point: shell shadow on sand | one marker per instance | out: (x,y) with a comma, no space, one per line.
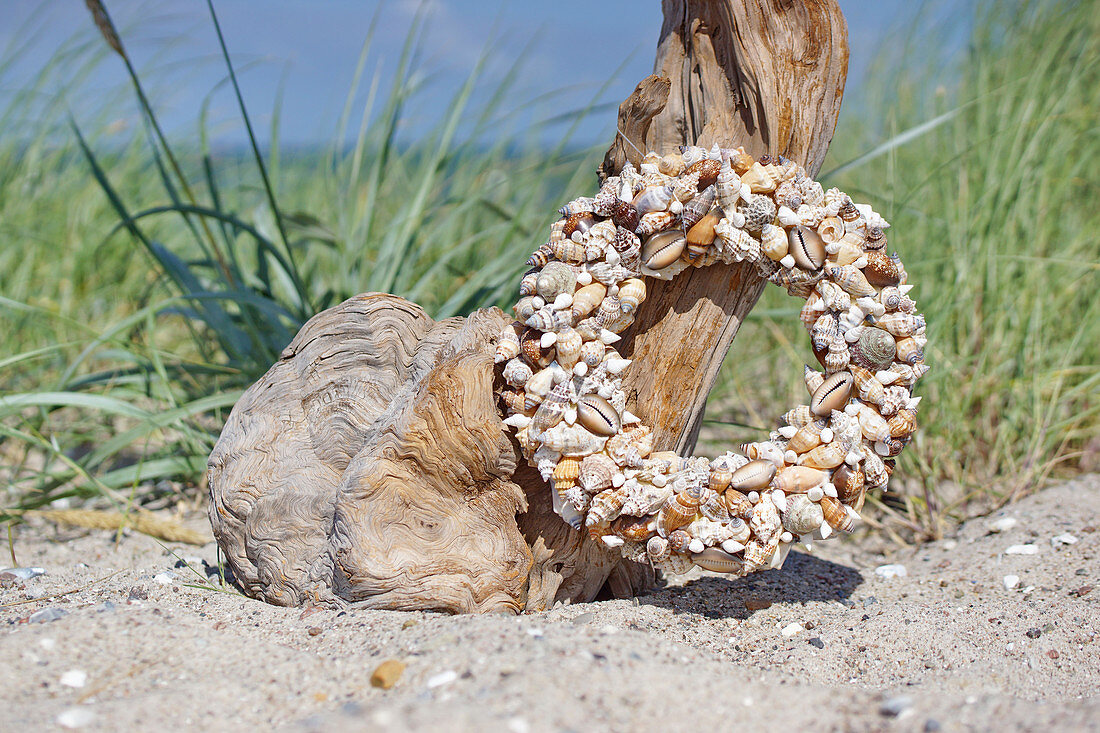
(802,578)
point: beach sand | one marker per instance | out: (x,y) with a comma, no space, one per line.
(826,643)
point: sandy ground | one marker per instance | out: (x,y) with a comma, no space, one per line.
(825,643)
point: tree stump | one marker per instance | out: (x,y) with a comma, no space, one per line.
(370,466)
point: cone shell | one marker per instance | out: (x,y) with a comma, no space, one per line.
(587,299)
(881,270)
(707,170)
(807,438)
(597,414)
(832,394)
(836,515)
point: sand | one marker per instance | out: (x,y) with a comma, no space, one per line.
(825,643)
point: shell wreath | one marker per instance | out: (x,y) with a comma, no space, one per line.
(739,512)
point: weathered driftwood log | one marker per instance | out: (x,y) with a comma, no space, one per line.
(370,466)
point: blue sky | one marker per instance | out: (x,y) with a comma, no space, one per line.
(310,48)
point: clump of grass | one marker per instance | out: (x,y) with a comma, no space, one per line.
(993,210)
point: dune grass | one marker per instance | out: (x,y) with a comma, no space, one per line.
(145,284)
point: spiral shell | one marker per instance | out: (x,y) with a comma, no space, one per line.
(517,372)
(901,324)
(802,516)
(567,348)
(830,230)
(807,437)
(773,240)
(579,222)
(632,294)
(829,455)
(867,387)
(798,479)
(909,351)
(881,270)
(874,350)
(758,210)
(566,250)
(697,208)
(852,280)
(565,474)
(572,440)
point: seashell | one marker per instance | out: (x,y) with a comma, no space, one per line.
(686,187)
(578,222)
(737,504)
(658,549)
(629,449)
(702,233)
(528,281)
(556,278)
(586,299)
(661,250)
(758,553)
(718,561)
(592,352)
(572,440)
(764,451)
(838,356)
(653,222)
(848,211)
(719,479)
(758,179)
(514,400)
(566,250)
(678,512)
(671,164)
(851,279)
(582,205)
(807,437)
(605,507)
(875,239)
(812,378)
(798,479)
(903,424)
(873,425)
(697,208)
(836,514)
(653,198)
(881,270)
(802,516)
(798,416)
(874,349)
(567,348)
(773,241)
(609,274)
(597,414)
(909,351)
(830,230)
(552,409)
(531,346)
(832,394)
(901,324)
(874,469)
(753,475)
(807,248)
(758,210)
(631,294)
(517,372)
(707,170)
(867,387)
(829,455)
(678,540)
(603,203)
(849,484)
(541,255)
(524,308)
(565,474)
(765,522)
(596,473)
(508,342)
(635,529)
(824,330)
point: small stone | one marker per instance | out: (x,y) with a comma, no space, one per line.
(315,630)
(792,629)
(1022,550)
(932,726)
(1053,654)
(1033,633)
(895,706)
(1082,591)
(1003,524)
(443,678)
(386,674)
(891,571)
(165,578)
(105,607)
(816,642)
(535,633)
(74,678)
(409,623)
(75,718)
(1063,539)
(137,593)
(47,615)
(1011,581)
(756,604)
(583,618)
(869,601)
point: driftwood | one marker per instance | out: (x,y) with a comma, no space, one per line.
(370,465)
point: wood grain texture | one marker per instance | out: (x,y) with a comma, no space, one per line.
(370,467)
(765,74)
